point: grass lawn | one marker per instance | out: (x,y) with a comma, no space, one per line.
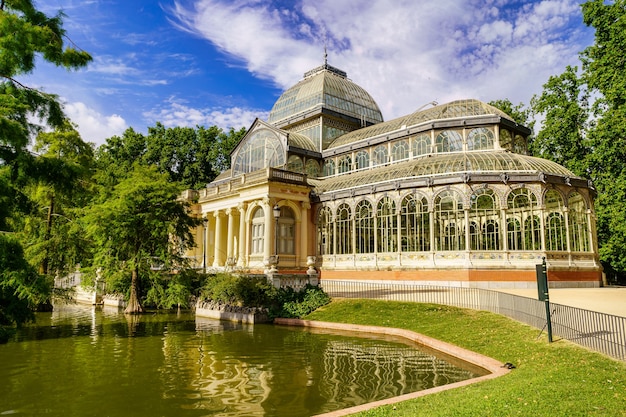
(551,379)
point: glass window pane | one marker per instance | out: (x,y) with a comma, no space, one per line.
(387,226)
(449,221)
(364,219)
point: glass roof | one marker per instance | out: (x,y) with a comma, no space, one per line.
(454,109)
(443,164)
(298,140)
(326,87)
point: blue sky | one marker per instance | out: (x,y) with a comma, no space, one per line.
(225,62)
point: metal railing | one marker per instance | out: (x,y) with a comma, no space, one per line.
(605,333)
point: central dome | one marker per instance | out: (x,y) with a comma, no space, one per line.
(329,88)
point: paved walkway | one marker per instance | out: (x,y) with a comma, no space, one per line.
(610,300)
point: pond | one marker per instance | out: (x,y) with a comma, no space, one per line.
(86,361)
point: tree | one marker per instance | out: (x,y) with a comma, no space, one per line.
(115,159)
(26,35)
(138,226)
(59,184)
(519,113)
(604,61)
(21,288)
(587,137)
(222,147)
(192,157)
(182,153)
(603,71)
(563,103)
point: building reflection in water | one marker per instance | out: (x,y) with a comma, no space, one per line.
(234,370)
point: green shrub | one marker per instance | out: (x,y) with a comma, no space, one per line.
(237,290)
(246,291)
(306,301)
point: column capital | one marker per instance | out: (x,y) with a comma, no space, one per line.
(218,213)
(306,205)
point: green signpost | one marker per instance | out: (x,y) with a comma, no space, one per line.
(542,290)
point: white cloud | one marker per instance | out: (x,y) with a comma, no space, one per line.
(113,66)
(93,126)
(405,54)
(178,114)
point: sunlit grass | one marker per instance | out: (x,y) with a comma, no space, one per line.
(551,379)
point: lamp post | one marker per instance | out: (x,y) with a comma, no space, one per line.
(276,212)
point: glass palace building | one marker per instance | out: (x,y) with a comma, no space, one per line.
(446,196)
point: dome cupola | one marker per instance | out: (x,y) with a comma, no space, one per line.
(324,105)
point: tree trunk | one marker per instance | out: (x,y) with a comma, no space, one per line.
(43,268)
(134,307)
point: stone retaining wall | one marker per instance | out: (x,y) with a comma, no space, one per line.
(228,312)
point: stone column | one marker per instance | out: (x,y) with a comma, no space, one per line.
(375,220)
(399,232)
(269,227)
(243,230)
(431,224)
(210,239)
(303,241)
(206,223)
(590,231)
(504,230)
(568,246)
(468,246)
(568,243)
(542,223)
(230,240)
(218,259)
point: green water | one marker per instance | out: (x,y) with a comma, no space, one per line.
(84,361)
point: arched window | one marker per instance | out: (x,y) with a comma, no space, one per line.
(329,167)
(414,225)
(345,164)
(449,141)
(325,231)
(362,160)
(491,235)
(523,225)
(474,230)
(399,150)
(578,227)
(387,226)
(312,168)
(344,229)
(261,150)
(258,232)
(294,164)
(555,225)
(532,233)
(364,219)
(380,156)
(485,214)
(480,138)
(421,145)
(449,221)
(286,231)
